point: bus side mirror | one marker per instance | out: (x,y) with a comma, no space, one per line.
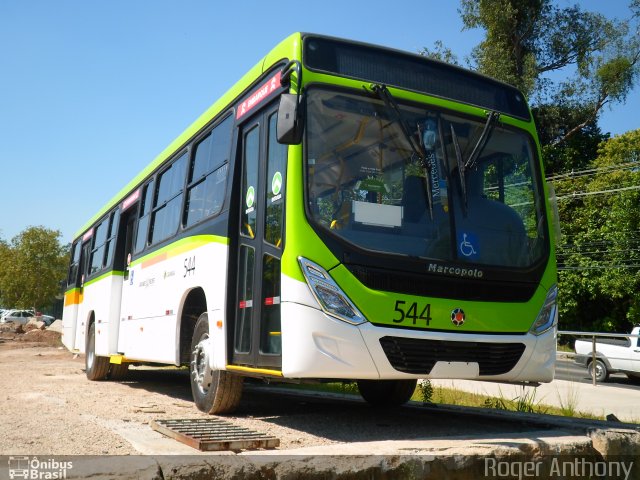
(290,120)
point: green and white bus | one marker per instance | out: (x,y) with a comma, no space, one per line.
(344,212)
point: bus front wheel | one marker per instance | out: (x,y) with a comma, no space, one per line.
(214,391)
(387,393)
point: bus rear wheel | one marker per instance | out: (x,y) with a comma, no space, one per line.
(97,368)
(214,391)
(387,393)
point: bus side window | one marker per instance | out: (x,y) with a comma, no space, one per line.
(167,205)
(75,264)
(143,223)
(114,220)
(208,174)
(97,249)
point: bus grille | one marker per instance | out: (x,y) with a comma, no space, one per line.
(417,356)
(443,287)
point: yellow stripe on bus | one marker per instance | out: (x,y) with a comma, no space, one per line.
(263,371)
(178,248)
(74,297)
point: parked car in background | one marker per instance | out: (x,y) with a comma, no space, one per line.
(17,316)
(47,319)
(613,355)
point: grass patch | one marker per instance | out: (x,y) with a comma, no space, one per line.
(566,348)
(427,393)
(523,403)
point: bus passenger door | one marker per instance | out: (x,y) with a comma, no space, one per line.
(72,298)
(260,196)
(82,313)
(124,251)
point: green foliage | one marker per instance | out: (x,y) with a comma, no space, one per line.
(600,258)
(426,390)
(575,153)
(441,53)
(526,41)
(31,268)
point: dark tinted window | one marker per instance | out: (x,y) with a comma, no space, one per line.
(168,203)
(97,251)
(75,261)
(275,187)
(270,333)
(111,240)
(250,183)
(212,151)
(245,300)
(143,223)
(171,181)
(208,174)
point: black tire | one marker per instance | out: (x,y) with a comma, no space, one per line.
(602,374)
(97,368)
(223,394)
(118,371)
(387,393)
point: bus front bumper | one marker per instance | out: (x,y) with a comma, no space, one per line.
(315,345)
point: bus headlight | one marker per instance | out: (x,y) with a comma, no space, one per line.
(328,294)
(548,316)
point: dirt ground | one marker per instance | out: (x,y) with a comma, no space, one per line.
(47,406)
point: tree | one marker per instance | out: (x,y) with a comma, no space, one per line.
(527,40)
(577,151)
(600,258)
(31,268)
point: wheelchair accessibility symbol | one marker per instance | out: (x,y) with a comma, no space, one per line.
(468,245)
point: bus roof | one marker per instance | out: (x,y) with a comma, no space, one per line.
(347,53)
(289,48)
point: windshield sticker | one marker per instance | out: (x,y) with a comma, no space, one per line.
(276,186)
(369,171)
(249,199)
(372,185)
(468,245)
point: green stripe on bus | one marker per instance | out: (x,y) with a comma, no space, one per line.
(181,246)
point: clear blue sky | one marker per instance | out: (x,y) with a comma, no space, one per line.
(92,91)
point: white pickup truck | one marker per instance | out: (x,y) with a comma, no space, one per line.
(613,355)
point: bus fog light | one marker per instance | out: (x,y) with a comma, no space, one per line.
(328,294)
(548,316)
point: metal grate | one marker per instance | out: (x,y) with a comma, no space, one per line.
(418,356)
(214,434)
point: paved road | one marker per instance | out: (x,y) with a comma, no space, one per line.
(567,369)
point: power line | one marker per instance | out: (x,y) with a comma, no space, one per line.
(599,192)
(592,171)
(597,267)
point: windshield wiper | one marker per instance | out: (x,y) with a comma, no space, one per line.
(417,147)
(470,163)
(461,168)
(492,117)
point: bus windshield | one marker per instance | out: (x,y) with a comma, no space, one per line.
(367,184)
